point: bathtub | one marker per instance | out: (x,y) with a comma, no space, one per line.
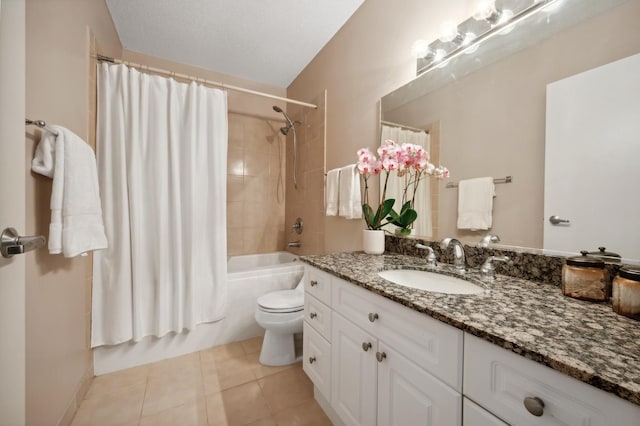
(248,277)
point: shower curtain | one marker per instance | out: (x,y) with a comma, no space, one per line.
(395,185)
(162,155)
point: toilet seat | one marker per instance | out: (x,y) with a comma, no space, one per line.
(282,302)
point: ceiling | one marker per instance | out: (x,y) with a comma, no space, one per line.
(269,41)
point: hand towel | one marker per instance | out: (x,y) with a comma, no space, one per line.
(76,213)
(349,199)
(475,203)
(333,182)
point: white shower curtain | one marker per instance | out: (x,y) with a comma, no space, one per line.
(395,186)
(162,160)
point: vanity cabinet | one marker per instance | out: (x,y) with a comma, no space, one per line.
(523,392)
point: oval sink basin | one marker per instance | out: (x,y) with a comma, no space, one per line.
(430,281)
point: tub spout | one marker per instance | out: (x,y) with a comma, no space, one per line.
(294,244)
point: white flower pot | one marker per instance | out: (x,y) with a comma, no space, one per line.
(373,241)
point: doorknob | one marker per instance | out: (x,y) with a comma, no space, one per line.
(11,243)
(557,220)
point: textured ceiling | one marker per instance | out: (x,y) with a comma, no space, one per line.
(269,41)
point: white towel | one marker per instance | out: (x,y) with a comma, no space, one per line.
(475,203)
(333,182)
(76,214)
(349,202)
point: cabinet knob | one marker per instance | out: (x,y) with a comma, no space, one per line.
(381,356)
(366,346)
(534,405)
(373,317)
(313,283)
(312,359)
(312,315)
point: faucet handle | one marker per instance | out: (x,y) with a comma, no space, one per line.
(431,256)
(488,269)
(488,239)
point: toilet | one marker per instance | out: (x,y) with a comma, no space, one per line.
(281,314)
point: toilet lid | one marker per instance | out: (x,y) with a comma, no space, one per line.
(282,301)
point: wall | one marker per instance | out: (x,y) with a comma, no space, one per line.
(369,57)
(58,290)
(256,165)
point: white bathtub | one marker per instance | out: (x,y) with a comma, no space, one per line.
(248,277)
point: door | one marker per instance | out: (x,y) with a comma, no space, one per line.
(12,202)
(353,373)
(591,133)
(408,395)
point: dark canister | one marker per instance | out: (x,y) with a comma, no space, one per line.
(626,292)
(584,277)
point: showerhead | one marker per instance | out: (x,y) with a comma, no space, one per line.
(277,109)
(285,130)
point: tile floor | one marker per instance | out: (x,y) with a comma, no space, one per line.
(225,385)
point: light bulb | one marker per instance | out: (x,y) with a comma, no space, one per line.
(448,32)
(420,48)
(484,10)
(440,53)
(504,18)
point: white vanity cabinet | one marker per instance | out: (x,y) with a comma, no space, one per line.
(502,382)
(391,365)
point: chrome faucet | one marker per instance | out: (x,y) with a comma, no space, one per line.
(294,244)
(459,260)
(488,269)
(488,239)
(431,256)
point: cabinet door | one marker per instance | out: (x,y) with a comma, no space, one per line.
(474,415)
(408,395)
(316,360)
(353,373)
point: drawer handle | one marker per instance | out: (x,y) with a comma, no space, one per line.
(366,346)
(380,356)
(534,405)
(313,315)
(314,283)
(312,359)
(373,317)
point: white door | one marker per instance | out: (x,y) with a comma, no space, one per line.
(353,373)
(12,203)
(591,151)
(408,395)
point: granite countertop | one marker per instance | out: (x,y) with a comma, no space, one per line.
(587,341)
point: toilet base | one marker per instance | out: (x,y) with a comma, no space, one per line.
(278,349)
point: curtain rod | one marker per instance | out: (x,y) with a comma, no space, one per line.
(203,81)
(402,126)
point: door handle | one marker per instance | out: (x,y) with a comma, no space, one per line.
(557,220)
(11,243)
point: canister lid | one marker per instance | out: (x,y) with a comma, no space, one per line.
(605,255)
(585,261)
(629,273)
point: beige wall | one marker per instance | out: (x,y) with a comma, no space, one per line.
(306,200)
(256,162)
(369,57)
(493,120)
(58,293)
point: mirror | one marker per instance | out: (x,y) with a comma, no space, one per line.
(488,111)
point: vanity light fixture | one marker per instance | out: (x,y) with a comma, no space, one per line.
(486,22)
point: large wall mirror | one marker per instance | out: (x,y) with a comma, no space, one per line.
(487,111)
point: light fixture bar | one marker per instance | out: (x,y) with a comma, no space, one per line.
(491,32)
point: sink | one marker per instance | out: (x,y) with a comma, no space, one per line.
(430,281)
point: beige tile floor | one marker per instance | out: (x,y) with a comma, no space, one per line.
(225,385)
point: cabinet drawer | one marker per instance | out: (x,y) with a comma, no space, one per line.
(318,284)
(500,380)
(429,343)
(318,315)
(316,360)
(474,415)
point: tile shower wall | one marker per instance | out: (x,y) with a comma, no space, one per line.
(255,185)
(306,201)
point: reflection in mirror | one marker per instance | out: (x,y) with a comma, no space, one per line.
(491,118)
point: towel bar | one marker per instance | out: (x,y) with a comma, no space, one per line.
(41,124)
(507,179)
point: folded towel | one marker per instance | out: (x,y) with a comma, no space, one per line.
(349,203)
(333,182)
(475,203)
(76,214)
